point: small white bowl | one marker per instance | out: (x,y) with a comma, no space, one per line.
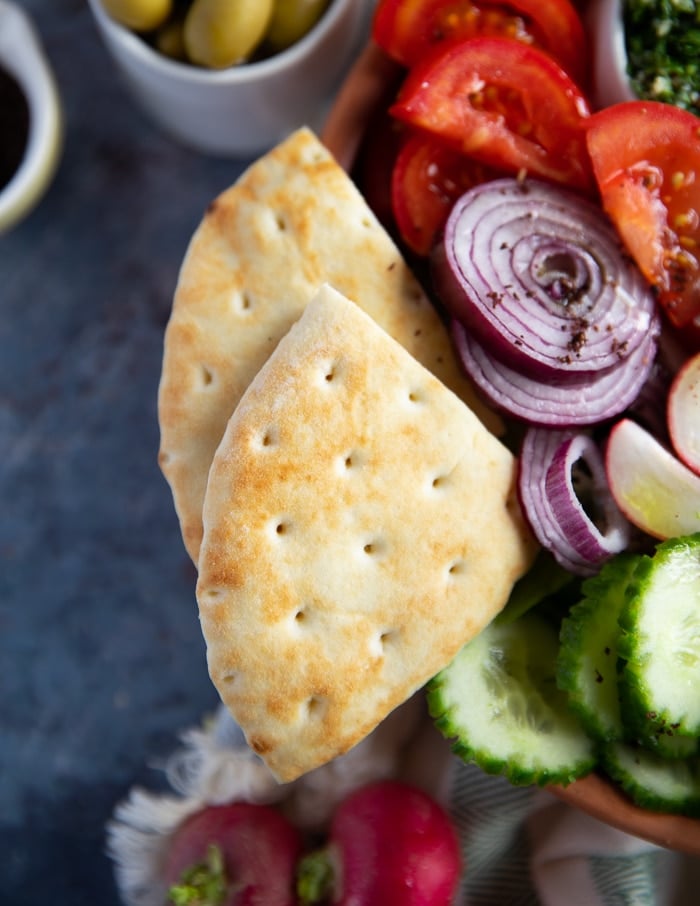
(247,108)
(611,83)
(23,57)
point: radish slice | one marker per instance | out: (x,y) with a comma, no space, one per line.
(683,413)
(651,486)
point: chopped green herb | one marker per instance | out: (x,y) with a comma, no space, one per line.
(663,50)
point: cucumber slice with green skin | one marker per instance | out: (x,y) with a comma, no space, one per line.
(652,782)
(660,642)
(670,746)
(587,662)
(498,700)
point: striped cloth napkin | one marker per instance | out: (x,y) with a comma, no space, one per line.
(521,845)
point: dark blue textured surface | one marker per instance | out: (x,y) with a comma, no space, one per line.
(101,656)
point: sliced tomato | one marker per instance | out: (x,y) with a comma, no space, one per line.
(407,29)
(428,177)
(503,103)
(646,161)
(375,163)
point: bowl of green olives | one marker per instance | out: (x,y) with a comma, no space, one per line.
(232,77)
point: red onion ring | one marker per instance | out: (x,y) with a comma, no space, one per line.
(552,505)
(582,531)
(539,275)
(582,400)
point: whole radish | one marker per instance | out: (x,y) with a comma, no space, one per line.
(241,854)
(390,844)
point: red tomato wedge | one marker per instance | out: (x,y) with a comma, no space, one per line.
(503,103)
(646,161)
(428,177)
(407,29)
(375,164)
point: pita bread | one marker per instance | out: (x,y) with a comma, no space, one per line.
(360,525)
(293,221)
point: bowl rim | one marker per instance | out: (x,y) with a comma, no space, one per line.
(367,84)
(611,80)
(131,43)
(593,794)
(23,57)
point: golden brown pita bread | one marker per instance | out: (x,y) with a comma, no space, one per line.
(293,221)
(360,525)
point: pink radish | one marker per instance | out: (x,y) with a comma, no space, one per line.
(652,487)
(390,844)
(683,413)
(240,854)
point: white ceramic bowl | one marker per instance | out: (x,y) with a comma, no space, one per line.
(244,109)
(611,84)
(23,57)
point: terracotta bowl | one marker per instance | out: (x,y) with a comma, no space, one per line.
(359,105)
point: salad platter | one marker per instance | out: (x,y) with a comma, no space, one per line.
(366,140)
(428,411)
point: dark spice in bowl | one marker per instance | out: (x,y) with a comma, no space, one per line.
(14,126)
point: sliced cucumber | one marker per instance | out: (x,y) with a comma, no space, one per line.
(670,745)
(498,700)
(652,782)
(587,662)
(660,642)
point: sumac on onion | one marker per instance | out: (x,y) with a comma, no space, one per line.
(548,302)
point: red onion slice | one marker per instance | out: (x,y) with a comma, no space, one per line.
(582,530)
(581,400)
(552,504)
(535,455)
(539,275)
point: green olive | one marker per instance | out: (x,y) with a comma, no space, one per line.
(291,20)
(220,33)
(169,40)
(139,15)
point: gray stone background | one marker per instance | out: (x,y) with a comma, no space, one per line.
(102,663)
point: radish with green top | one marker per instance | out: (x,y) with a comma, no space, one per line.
(241,854)
(390,844)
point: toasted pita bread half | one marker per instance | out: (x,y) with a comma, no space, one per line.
(360,526)
(293,221)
